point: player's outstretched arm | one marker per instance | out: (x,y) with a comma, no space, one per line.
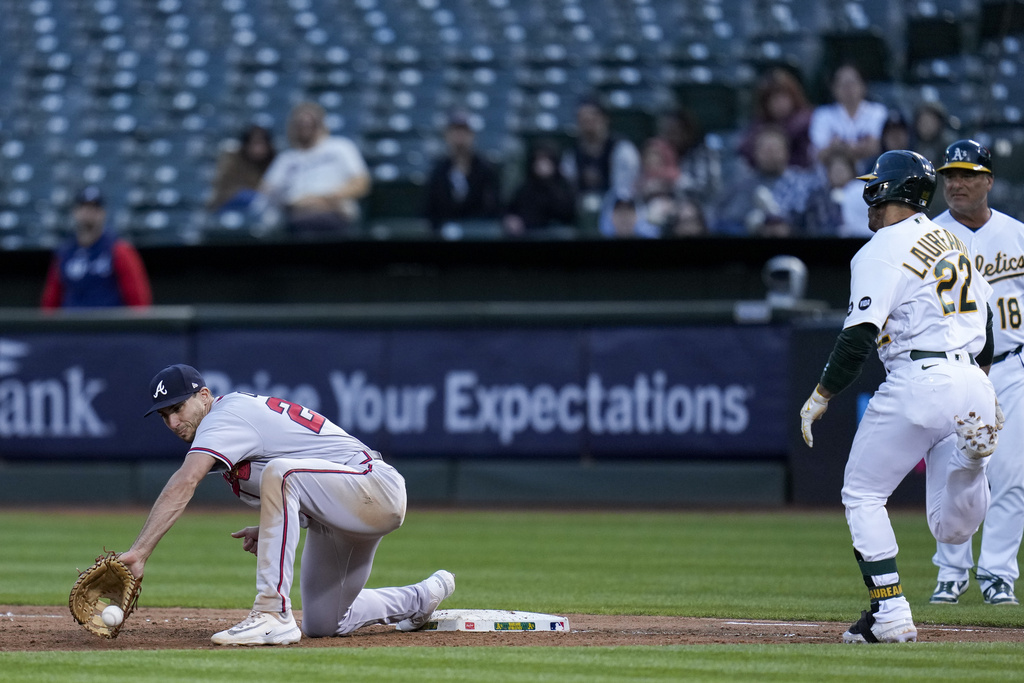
(169,505)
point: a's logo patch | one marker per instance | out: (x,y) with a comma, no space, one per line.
(160,389)
(864,303)
(959,154)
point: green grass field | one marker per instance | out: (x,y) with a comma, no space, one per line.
(751,565)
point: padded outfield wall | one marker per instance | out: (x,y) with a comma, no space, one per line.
(478,404)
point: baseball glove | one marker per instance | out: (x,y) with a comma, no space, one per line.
(107,582)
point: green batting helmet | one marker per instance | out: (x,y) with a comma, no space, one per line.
(900,176)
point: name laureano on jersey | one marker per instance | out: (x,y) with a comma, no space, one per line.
(930,247)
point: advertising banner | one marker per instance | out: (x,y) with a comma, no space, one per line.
(83,395)
(604,392)
(610,393)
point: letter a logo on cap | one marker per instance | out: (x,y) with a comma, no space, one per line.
(160,389)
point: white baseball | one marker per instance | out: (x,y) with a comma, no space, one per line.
(112,615)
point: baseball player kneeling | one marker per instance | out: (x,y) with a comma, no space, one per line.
(915,296)
(300,470)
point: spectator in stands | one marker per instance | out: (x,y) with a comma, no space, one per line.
(852,123)
(700,166)
(770,188)
(599,160)
(660,209)
(95,268)
(319,179)
(545,198)
(659,169)
(463,185)
(896,133)
(623,217)
(658,182)
(772,225)
(780,100)
(688,220)
(933,131)
(836,207)
(240,168)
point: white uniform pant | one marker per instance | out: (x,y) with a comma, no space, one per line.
(911,417)
(1004,522)
(349,510)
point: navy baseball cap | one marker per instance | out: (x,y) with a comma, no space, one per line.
(174,384)
(90,194)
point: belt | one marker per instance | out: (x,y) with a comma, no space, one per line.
(1003,356)
(951,355)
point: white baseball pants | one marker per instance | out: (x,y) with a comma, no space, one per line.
(1004,522)
(349,511)
(911,417)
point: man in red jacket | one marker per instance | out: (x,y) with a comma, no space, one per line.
(95,268)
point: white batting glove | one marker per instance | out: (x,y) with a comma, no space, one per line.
(999,416)
(813,409)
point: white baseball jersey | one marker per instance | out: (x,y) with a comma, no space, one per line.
(244,432)
(302,470)
(997,249)
(914,281)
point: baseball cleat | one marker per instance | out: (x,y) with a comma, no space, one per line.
(260,628)
(948,592)
(999,592)
(439,585)
(867,630)
(975,438)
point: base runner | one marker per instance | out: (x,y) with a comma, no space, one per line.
(914,296)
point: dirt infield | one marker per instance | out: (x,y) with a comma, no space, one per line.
(52,628)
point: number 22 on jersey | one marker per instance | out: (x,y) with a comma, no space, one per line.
(305,417)
(951,276)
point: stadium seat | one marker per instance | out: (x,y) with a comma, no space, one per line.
(1007,145)
(931,37)
(868,49)
(394,199)
(716,105)
(1000,18)
(636,125)
(91,87)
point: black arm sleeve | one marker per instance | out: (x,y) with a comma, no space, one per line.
(985,356)
(853,346)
